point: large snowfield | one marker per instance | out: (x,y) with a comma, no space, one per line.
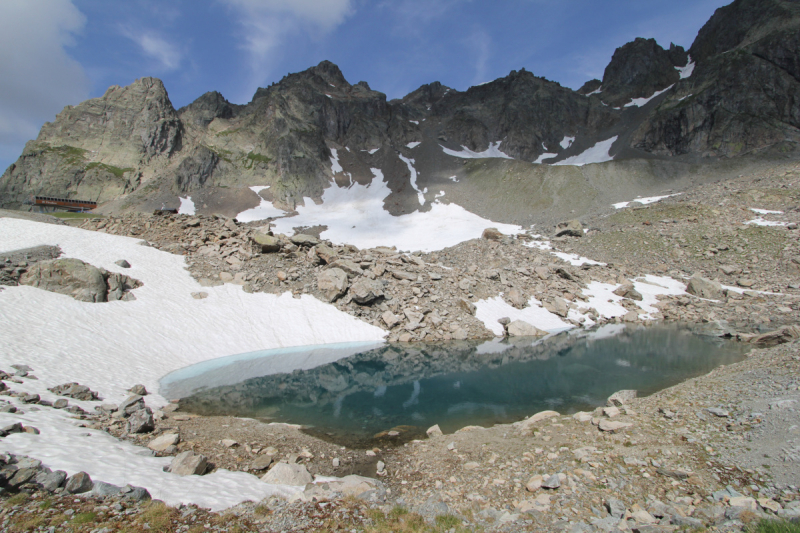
(112,346)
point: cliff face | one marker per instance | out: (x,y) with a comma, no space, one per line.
(735,92)
(743,95)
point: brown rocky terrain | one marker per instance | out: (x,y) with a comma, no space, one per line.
(718,451)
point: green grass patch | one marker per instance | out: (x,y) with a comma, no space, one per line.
(223,154)
(17,499)
(71,154)
(775,526)
(253,158)
(400,520)
(84,518)
(116,171)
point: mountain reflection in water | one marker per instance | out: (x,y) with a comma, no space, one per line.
(411,387)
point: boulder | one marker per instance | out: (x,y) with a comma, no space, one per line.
(520,328)
(613,426)
(76,391)
(268,243)
(304,240)
(332,283)
(286,474)
(516,298)
(353,486)
(72,277)
(492,234)
(163,442)
(352,269)
(366,291)
(189,463)
(390,319)
(526,426)
(621,398)
(50,481)
(138,389)
(325,253)
(434,431)
(141,421)
(79,483)
(122,263)
(704,288)
(132,404)
(571,228)
(626,290)
(261,462)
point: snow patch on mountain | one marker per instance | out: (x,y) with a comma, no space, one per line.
(599,153)
(410,164)
(187,206)
(263,210)
(335,166)
(466,153)
(687,70)
(356,215)
(639,102)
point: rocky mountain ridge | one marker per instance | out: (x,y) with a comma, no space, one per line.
(734,93)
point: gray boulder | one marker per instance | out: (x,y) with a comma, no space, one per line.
(103,489)
(286,474)
(365,291)
(50,481)
(136,494)
(189,463)
(571,228)
(72,277)
(520,328)
(325,253)
(304,240)
(141,421)
(79,483)
(704,288)
(492,234)
(76,391)
(132,404)
(268,243)
(332,283)
(621,397)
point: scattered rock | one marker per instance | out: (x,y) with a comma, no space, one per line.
(520,328)
(79,483)
(286,474)
(189,463)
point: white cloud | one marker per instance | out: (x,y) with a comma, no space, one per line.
(38,76)
(480,43)
(167,54)
(267,24)
(325,14)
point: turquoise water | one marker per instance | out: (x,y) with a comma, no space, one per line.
(355,395)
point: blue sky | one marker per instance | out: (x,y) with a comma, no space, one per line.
(59,52)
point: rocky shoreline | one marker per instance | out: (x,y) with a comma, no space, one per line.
(719,451)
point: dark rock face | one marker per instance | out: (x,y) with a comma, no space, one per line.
(639,69)
(740,23)
(743,96)
(195,170)
(206,108)
(590,87)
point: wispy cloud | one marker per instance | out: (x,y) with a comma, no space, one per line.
(39,76)
(479,44)
(268,24)
(168,55)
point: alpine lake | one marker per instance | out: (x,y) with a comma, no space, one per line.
(364,395)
